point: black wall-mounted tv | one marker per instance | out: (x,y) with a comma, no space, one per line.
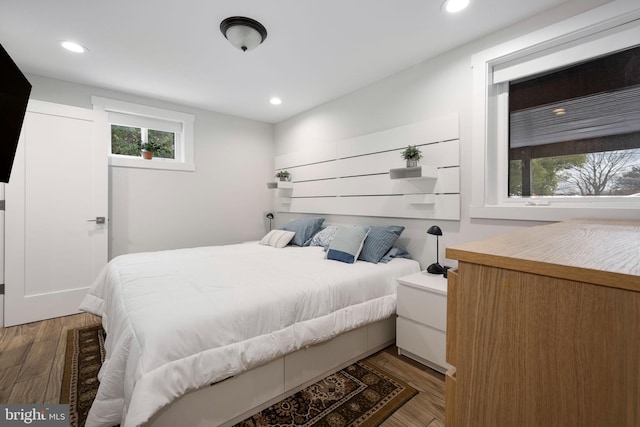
(14,95)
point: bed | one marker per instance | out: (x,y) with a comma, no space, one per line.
(191,331)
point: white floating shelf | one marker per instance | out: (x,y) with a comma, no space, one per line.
(418,172)
(419,199)
(281,185)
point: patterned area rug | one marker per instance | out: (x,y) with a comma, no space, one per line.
(84,357)
(359,395)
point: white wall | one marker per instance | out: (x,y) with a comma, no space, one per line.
(223,201)
(430,89)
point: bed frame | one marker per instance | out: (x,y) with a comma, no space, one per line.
(230,401)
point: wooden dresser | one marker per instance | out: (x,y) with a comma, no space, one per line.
(543,327)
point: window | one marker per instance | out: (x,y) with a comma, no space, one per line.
(576,131)
(556,121)
(131,133)
(133,127)
(130,141)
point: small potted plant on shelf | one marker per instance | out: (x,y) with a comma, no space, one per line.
(148,149)
(412,155)
(283,175)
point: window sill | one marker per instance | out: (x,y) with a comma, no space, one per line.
(552,213)
(151,164)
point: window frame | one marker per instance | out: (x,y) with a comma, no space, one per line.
(490,130)
(184,144)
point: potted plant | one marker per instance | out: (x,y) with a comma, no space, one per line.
(283,175)
(148,149)
(412,155)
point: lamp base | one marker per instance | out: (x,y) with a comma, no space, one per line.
(436,268)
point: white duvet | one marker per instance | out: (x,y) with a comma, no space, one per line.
(180,320)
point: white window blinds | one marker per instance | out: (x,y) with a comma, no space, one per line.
(135,120)
(569,53)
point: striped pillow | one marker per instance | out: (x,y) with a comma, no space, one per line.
(277,238)
(379,241)
(347,244)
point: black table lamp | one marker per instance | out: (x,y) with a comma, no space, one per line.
(270,216)
(436,268)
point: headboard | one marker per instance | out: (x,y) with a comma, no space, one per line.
(352,176)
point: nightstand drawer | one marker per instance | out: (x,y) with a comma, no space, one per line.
(423,341)
(422,306)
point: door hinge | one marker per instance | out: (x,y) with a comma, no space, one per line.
(1,205)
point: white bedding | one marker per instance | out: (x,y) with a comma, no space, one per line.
(180,320)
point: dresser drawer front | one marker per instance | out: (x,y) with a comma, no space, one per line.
(422,341)
(422,306)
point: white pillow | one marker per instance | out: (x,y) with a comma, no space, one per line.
(277,238)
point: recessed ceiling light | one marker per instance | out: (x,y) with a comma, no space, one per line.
(275,101)
(73,46)
(453,6)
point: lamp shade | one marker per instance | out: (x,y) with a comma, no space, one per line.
(434,230)
(244,33)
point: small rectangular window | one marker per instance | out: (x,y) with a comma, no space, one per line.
(576,131)
(130,141)
(135,130)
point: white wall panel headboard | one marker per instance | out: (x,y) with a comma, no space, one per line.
(351,177)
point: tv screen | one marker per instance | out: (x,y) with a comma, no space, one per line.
(14,95)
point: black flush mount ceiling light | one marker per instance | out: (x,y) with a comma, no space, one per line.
(244,33)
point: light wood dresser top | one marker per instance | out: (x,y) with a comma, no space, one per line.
(603,252)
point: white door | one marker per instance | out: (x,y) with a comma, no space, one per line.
(54,247)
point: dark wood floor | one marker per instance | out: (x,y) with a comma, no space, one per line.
(32,360)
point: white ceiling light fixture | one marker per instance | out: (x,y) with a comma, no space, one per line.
(275,101)
(244,33)
(73,46)
(453,6)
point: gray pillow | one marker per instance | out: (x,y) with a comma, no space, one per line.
(304,228)
(379,241)
(395,252)
(347,244)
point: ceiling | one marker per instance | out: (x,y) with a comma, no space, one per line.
(171,50)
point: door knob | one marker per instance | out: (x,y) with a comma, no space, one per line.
(98,220)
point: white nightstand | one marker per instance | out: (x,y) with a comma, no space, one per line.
(422,319)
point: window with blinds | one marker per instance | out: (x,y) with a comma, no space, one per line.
(575,131)
(135,129)
(130,134)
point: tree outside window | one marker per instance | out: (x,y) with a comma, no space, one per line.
(127,141)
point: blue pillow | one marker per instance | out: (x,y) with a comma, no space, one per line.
(347,244)
(304,228)
(395,252)
(379,241)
